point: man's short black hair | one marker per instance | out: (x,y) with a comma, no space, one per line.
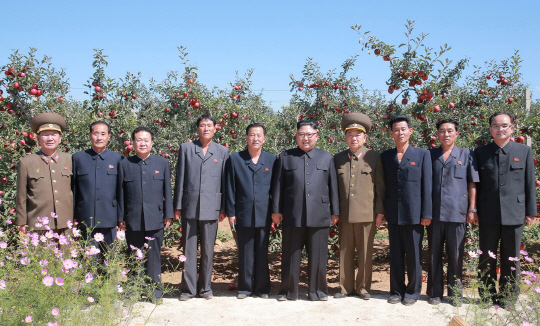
(100,122)
(501,113)
(399,118)
(448,120)
(308,123)
(254,125)
(206,116)
(142,129)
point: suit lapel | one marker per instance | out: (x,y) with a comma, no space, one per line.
(406,156)
(198,149)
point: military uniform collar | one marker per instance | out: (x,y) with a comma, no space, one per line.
(46,158)
(505,149)
(356,155)
(309,154)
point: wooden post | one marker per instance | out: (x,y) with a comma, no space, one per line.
(528,109)
(457,321)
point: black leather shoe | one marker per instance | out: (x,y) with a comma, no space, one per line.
(394,299)
(282,297)
(207,296)
(340,295)
(434,300)
(263,296)
(184,297)
(323,298)
(408,302)
(242,296)
(365,296)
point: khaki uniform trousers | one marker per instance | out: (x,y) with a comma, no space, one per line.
(355,241)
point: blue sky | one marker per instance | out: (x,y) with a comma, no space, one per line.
(272,37)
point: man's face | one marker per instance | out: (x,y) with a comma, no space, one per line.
(100,137)
(401,132)
(206,129)
(255,138)
(355,139)
(447,134)
(501,128)
(143,143)
(306,138)
(49,140)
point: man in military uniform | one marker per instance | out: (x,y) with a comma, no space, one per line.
(44,179)
(95,172)
(305,196)
(361,194)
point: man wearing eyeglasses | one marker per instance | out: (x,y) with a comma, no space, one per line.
(305,198)
(361,194)
(506,202)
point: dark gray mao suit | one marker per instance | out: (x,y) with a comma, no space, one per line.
(407,201)
(505,195)
(449,223)
(144,202)
(94,192)
(248,198)
(305,191)
(200,180)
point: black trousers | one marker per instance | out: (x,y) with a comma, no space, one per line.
(453,235)
(253,271)
(316,241)
(153,257)
(509,237)
(406,248)
(192,230)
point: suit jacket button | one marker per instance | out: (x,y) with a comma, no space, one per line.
(308,195)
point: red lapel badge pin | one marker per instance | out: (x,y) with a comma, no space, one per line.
(516,159)
(215,160)
(156,172)
(65,167)
(413,163)
(38,170)
(111,166)
(459,163)
(366,164)
(266,169)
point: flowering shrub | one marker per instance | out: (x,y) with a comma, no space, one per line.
(48,278)
(525,311)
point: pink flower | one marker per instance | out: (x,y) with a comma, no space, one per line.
(121,235)
(59,281)
(8,221)
(2,284)
(43,263)
(492,255)
(76,233)
(523,252)
(537,289)
(529,259)
(99,237)
(68,264)
(479,251)
(28,319)
(182,258)
(47,281)
(88,278)
(90,299)
(140,254)
(124,272)
(25,260)
(74,253)
(43,272)
(513,258)
(53,215)
(149,238)
(3,245)
(119,289)
(55,311)
(69,224)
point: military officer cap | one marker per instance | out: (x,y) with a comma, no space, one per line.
(48,121)
(355,120)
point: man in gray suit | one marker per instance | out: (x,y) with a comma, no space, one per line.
(506,202)
(200,180)
(454,204)
(305,196)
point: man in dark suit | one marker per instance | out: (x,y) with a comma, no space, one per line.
(454,204)
(506,202)
(145,202)
(305,196)
(407,206)
(95,173)
(200,180)
(248,180)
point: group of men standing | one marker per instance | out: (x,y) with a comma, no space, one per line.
(305,188)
